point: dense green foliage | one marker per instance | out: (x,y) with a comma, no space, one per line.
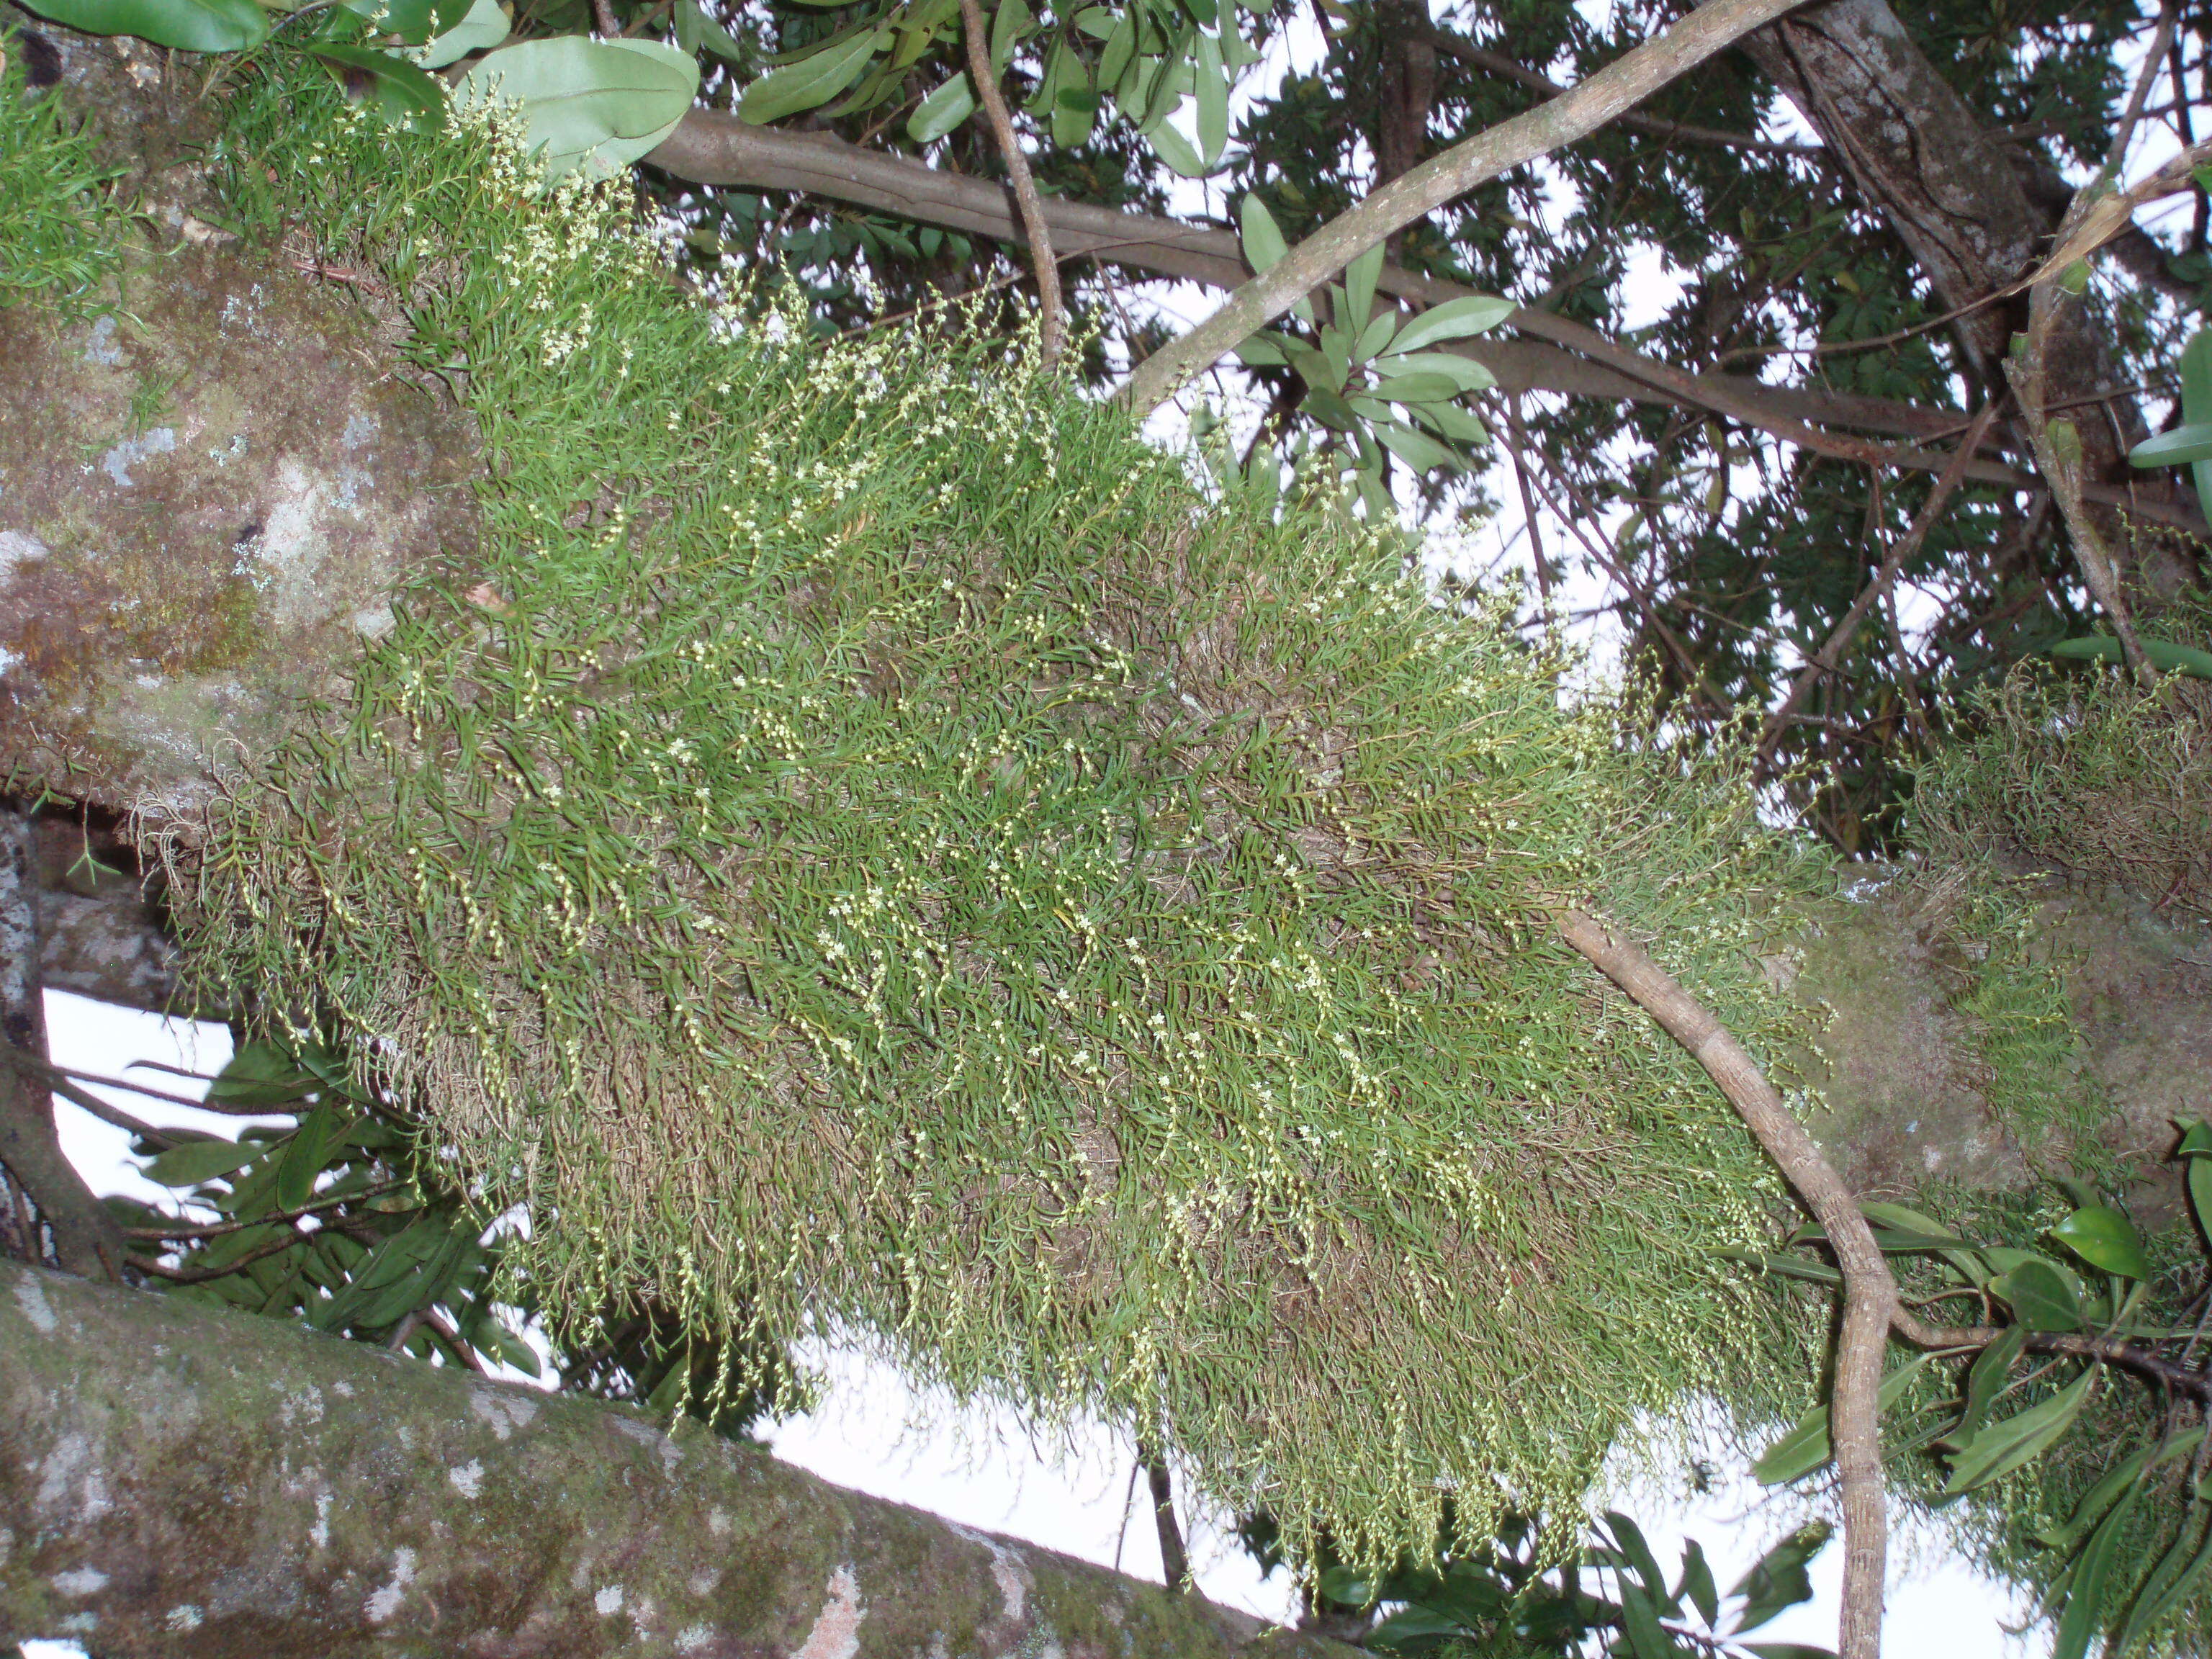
(866,841)
(55,245)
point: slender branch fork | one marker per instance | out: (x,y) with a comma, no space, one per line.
(1033,226)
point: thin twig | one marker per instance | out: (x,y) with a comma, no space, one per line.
(1038,234)
(1826,659)
(1174,1560)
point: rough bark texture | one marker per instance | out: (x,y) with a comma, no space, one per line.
(194,1484)
(1958,195)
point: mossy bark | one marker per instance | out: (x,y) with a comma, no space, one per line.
(180,1482)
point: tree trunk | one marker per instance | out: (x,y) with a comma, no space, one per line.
(181,1482)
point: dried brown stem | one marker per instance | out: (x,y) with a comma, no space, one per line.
(1869,1291)
(1033,228)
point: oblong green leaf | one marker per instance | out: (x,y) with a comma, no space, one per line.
(945,109)
(1359,279)
(187,25)
(1806,1447)
(412,20)
(1262,237)
(405,97)
(1417,449)
(2105,1238)
(1468,375)
(2040,1297)
(2184,444)
(810,82)
(196,1161)
(1416,388)
(1453,320)
(1454,422)
(1213,91)
(2005,1445)
(483,28)
(2162,655)
(1778,1580)
(596,103)
(1177,151)
(2085,1599)
(2196,1139)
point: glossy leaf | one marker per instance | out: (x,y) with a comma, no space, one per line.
(1897,1219)
(2199,1183)
(187,25)
(598,104)
(1172,148)
(320,1133)
(1985,1381)
(1416,388)
(2100,1498)
(1698,1585)
(195,1161)
(1417,449)
(2040,1297)
(1213,91)
(1264,245)
(403,96)
(1628,1538)
(696,32)
(2085,1600)
(2195,366)
(1453,423)
(1465,372)
(1453,320)
(2196,1141)
(1359,279)
(1806,1447)
(1375,335)
(943,110)
(1347,1586)
(2178,447)
(1010,25)
(810,82)
(1261,351)
(2001,1447)
(1074,113)
(261,1074)
(1639,1619)
(485,26)
(1331,410)
(1778,1581)
(2105,1238)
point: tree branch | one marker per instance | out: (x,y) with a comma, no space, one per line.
(980,71)
(1617,87)
(1869,1292)
(263,1489)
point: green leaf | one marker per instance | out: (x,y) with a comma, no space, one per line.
(308,1153)
(1698,1584)
(1628,1538)
(810,82)
(261,1074)
(1454,422)
(1985,1381)
(2101,1497)
(1172,148)
(1418,450)
(1330,409)
(1453,320)
(1074,113)
(403,96)
(2003,1446)
(1213,91)
(412,20)
(1416,388)
(1264,245)
(1316,367)
(2199,1183)
(196,1161)
(1010,26)
(2085,1601)
(2162,655)
(595,105)
(696,32)
(1119,52)
(1376,335)
(2169,1582)
(2105,1238)
(2196,1141)
(1778,1581)
(1413,1622)
(1806,1447)
(1346,1586)
(1098,23)
(1646,1637)
(2179,447)
(1261,351)
(1897,1219)
(1817,1272)
(2040,1297)
(187,25)
(1359,279)
(486,26)
(2195,366)
(1469,375)
(945,109)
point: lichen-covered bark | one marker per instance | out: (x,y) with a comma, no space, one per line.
(180,1482)
(203,504)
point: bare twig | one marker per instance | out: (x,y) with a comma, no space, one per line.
(1869,1291)
(1619,87)
(1174,1560)
(1840,639)
(1018,173)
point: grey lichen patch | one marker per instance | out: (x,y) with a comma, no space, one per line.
(169,591)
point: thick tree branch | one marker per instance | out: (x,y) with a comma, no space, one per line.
(86,1239)
(986,80)
(1869,1291)
(2106,1349)
(184,1481)
(711,148)
(1619,87)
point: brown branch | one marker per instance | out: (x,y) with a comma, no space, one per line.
(2106,1349)
(1612,90)
(1869,1292)
(980,71)
(190,1232)
(1826,659)
(87,1240)
(1497,63)
(712,148)
(1174,1560)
